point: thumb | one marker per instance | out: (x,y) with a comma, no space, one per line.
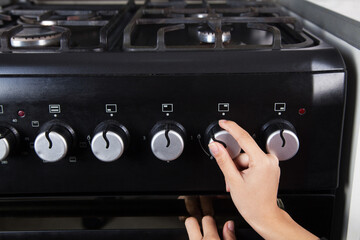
(229,231)
(226,164)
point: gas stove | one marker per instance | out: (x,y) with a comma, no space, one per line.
(123,99)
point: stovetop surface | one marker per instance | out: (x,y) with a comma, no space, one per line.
(158,38)
(153,26)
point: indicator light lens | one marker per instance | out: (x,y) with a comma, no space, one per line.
(21,113)
(302,111)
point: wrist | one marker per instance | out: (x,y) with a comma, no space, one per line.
(278,225)
(269,219)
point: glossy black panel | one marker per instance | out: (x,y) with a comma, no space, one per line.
(320,58)
(195,100)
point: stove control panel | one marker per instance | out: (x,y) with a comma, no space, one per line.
(150,134)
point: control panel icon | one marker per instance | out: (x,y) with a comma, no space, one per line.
(167,107)
(35,124)
(223,107)
(54,108)
(111,108)
(280,107)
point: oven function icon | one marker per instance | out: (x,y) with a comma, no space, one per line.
(280,107)
(167,107)
(223,107)
(111,108)
(35,124)
(1,109)
(54,108)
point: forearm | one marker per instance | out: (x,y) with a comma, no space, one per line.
(281,226)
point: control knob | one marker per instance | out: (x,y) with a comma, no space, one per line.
(167,140)
(281,139)
(54,141)
(9,139)
(109,141)
(215,133)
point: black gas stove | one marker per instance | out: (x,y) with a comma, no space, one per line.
(124,99)
(118,100)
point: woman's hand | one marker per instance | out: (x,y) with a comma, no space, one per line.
(252,180)
(210,231)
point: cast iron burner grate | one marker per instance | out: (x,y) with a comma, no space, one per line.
(235,25)
(47,29)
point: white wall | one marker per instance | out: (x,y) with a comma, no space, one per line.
(349,8)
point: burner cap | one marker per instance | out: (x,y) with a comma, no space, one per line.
(207,35)
(36,37)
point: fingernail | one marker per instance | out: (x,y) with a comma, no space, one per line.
(222,121)
(213,148)
(231,226)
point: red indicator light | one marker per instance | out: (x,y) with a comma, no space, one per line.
(302,111)
(21,113)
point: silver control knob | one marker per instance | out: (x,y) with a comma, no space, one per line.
(281,140)
(9,138)
(54,141)
(229,142)
(4,148)
(167,142)
(285,146)
(51,152)
(110,141)
(214,133)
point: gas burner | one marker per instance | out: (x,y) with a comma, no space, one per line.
(36,37)
(207,35)
(70,28)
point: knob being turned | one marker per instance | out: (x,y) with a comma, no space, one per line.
(214,133)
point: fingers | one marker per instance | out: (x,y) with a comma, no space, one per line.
(193,207)
(273,159)
(206,204)
(209,228)
(225,162)
(242,161)
(193,229)
(229,231)
(246,142)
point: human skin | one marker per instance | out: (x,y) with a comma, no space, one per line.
(252,180)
